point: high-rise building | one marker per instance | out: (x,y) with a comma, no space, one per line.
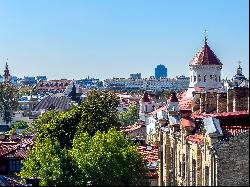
(160,71)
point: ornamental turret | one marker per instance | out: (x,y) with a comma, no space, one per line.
(205,71)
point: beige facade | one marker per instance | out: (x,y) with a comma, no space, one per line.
(210,147)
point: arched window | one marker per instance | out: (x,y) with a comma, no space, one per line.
(215,77)
(219,78)
(205,78)
(199,78)
(194,78)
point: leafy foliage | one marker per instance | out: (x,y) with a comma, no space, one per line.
(8,101)
(37,125)
(53,165)
(108,159)
(99,112)
(103,159)
(129,117)
(20,124)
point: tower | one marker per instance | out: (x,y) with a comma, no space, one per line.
(160,71)
(205,71)
(6,74)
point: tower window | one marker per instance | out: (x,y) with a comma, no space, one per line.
(205,78)
(199,78)
(219,78)
(194,78)
(215,78)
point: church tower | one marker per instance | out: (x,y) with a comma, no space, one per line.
(6,74)
(205,71)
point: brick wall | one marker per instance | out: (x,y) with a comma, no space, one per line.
(233,161)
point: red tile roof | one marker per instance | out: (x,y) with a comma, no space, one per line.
(223,114)
(196,138)
(205,57)
(187,122)
(132,128)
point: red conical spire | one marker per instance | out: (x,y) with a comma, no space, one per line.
(205,56)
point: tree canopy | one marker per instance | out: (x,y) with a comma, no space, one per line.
(82,147)
(130,116)
(8,101)
(107,158)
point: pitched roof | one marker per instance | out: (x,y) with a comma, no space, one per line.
(173,97)
(145,97)
(57,101)
(205,57)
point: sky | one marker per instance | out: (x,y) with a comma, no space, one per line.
(74,39)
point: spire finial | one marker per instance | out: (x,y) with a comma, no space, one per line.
(239,62)
(205,33)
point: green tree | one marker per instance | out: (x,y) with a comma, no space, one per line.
(8,101)
(99,112)
(19,124)
(51,164)
(130,116)
(62,126)
(37,125)
(107,158)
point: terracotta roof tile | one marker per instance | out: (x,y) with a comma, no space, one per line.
(205,57)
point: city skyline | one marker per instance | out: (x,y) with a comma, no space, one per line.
(108,39)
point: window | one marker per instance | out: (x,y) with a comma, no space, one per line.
(219,78)
(194,78)
(215,78)
(199,78)
(205,78)
(191,79)
(14,166)
(211,77)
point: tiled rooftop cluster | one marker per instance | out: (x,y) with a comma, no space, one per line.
(17,147)
(150,156)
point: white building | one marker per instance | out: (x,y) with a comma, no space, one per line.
(205,71)
(178,83)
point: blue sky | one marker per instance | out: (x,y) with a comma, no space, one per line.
(113,38)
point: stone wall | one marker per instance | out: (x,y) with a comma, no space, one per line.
(221,102)
(233,161)
(240,101)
